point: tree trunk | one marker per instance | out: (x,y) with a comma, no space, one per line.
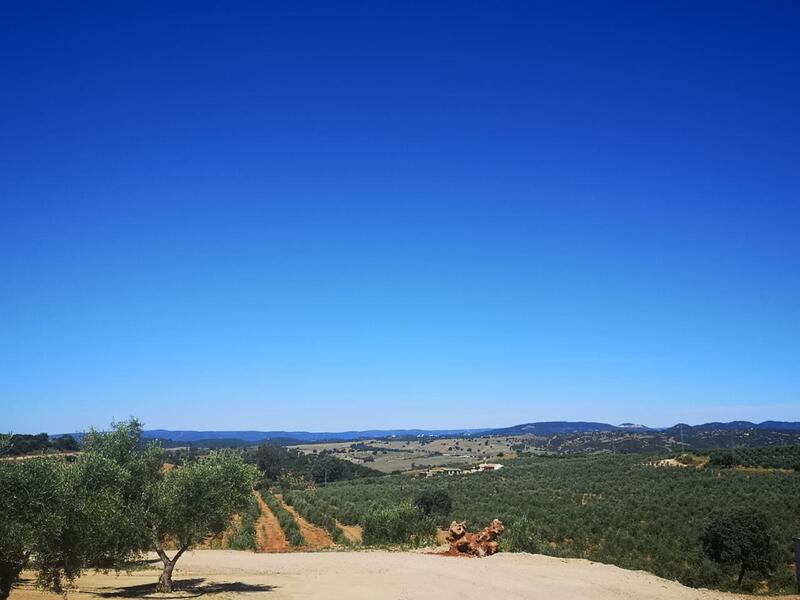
(9,573)
(165,580)
(5,586)
(741,576)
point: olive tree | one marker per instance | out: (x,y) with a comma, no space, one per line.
(183,505)
(60,518)
(196,501)
(33,495)
(111,505)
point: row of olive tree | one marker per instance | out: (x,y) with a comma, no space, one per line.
(113,504)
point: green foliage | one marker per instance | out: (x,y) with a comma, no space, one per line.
(316,511)
(200,498)
(326,469)
(286,519)
(399,524)
(609,508)
(106,507)
(722,459)
(521,535)
(36,526)
(277,463)
(271,461)
(434,503)
(121,461)
(21,444)
(59,517)
(244,536)
(770,457)
(740,539)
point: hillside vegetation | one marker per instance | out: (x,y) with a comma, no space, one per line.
(615,509)
(782,457)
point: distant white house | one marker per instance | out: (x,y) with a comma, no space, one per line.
(481,468)
(489,467)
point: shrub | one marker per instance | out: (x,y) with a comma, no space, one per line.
(244,536)
(434,503)
(399,524)
(521,536)
(722,460)
(317,512)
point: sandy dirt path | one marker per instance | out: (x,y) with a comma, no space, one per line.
(269,535)
(232,575)
(316,537)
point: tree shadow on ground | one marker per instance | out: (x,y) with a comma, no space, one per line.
(186,588)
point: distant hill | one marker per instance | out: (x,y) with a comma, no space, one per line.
(541,428)
(299,437)
(571,427)
(780,425)
(735,426)
(561,428)
(555,436)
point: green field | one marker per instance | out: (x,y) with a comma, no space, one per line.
(614,508)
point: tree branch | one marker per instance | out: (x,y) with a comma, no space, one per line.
(161,554)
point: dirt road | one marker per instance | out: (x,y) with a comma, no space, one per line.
(269,535)
(231,575)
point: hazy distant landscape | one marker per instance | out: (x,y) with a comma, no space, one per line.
(630,496)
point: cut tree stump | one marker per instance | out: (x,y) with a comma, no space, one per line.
(483,543)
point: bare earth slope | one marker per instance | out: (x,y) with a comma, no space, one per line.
(269,535)
(226,574)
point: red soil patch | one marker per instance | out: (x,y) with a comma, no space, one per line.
(269,535)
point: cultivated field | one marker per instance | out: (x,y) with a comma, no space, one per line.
(300,510)
(225,574)
(412,455)
(613,509)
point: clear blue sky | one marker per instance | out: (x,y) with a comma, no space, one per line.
(342,215)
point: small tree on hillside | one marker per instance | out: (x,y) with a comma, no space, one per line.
(741,540)
(271,461)
(326,469)
(197,501)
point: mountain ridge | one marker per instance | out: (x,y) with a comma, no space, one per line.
(532,428)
